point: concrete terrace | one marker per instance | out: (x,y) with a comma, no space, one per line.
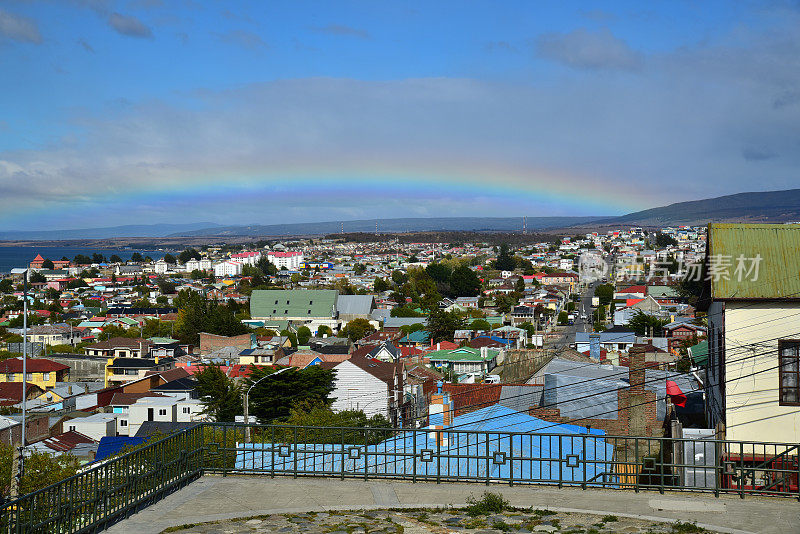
(213,498)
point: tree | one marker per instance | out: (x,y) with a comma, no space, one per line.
(169,258)
(562,318)
(605,293)
(36,278)
(80,259)
(273,398)
(48,264)
(324,330)
(98,258)
(136,257)
(196,315)
(319,415)
(480,324)
(504,262)
(197,274)
(6,285)
(520,286)
(664,241)
(291,335)
(357,329)
(438,272)
(646,325)
(399,277)
(380,285)
(442,325)
(464,282)
(188,254)
(115,259)
(221,396)
(303,335)
(41,470)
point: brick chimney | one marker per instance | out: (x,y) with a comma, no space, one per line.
(636,367)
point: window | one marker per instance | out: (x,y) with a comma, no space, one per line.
(123,422)
(72,427)
(287,302)
(274,311)
(789,372)
(286,312)
(310,302)
(162,411)
(11,377)
(186,409)
(28,376)
(309,312)
(276,302)
(46,377)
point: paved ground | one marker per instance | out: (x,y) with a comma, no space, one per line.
(216,498)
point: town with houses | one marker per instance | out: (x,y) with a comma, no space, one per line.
(641,334)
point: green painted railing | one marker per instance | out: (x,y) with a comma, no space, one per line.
(120,486)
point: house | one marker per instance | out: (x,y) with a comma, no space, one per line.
(41,372)
(213,342)
(121,369)
(167,408)
(120,347)
(615,341)
(289,260)
(52,334)
(11,392)
(355,307)
(369,385)
(465,359)
(96,426)
(752,293)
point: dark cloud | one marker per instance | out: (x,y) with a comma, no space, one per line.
(245,39)
(129,25)
(585,49)
(757,154)
(341,30)
(86,46)
(19,28)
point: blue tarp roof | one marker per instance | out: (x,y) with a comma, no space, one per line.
(111,445)
(541,452)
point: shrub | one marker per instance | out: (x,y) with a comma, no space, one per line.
(490,503)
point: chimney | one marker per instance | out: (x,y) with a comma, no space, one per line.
(438,346)
(594,347)
(636,370)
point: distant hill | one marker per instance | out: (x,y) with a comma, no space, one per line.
(757,207)
(479,224)
(132,230)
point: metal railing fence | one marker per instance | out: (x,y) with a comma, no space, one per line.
(120,486)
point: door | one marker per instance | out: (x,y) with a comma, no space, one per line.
(149,414)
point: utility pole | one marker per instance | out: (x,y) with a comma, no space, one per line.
(20,464)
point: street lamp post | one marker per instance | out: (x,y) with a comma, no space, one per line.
(24,273)
(247,402)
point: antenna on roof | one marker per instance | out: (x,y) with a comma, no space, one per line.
(376,226)
(342,227)
(524,224)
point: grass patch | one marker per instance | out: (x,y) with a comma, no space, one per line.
(490,503)
(686,528)
(542,513)
(609,519)
(501,525)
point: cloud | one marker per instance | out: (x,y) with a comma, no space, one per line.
(18,28)
(129,25)
(86,46)
(585,49)
(757,154)
(245,39)
(341,30)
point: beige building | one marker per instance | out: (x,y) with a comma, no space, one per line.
(753,377)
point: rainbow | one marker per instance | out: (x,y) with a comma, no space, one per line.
(490,189)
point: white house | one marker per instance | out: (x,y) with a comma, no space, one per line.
(753,390)
(161,267)
(227,268)
(95,426)
(169,409)
(246,258)
(203,264)
(368,385)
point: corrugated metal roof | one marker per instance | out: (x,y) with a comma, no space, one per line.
(355,304)
(778,246)
(293,303)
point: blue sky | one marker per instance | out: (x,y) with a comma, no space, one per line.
(117,112)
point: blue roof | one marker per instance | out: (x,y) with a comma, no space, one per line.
(542,452)
(111,445)
(420,336)
(498,339)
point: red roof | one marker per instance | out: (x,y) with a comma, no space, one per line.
(67,441)
(34,365)
(38,258)
(11,392)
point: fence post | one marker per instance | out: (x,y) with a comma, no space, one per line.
(797,461)
(414,456)
(560,464)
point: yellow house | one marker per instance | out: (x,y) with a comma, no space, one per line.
(40,371)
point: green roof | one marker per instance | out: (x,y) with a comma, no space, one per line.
(778,246)
(306,303)
(661,291)
(462,354)
(163,340)
(492,320)
(699,353)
